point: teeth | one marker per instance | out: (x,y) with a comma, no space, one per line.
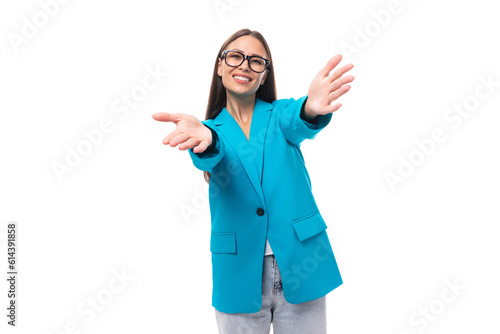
(241,78)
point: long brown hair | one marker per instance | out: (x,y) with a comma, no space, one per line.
(217,97)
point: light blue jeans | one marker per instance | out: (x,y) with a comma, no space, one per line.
(303,318)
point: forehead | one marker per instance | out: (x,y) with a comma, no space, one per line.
(249,45)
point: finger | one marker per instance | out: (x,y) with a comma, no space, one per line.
(188,144)
(200,148)
(171,135)
(338,73)
(335,95)
(330,65)
(167,117)
(333,108)
(175,139)
(339,82)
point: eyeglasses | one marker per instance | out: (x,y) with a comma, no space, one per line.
(235,58)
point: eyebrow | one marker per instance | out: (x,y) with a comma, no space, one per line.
(253,54)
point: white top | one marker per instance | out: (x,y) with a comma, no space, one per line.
(268,249)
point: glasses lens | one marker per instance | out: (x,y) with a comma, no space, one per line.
(257,64)
(234,58)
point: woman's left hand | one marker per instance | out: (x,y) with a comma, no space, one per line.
(326,88)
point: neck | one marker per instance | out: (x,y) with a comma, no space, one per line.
(240,107)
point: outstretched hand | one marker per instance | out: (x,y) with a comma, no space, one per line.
(189,132)
(326,88)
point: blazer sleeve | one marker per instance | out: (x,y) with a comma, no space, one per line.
(207,160)
(294,128)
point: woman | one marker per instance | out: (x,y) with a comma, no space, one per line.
(261,204)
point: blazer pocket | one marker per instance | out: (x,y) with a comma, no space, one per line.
(309,226)
(223,242)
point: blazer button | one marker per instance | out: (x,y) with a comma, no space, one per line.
(260,211)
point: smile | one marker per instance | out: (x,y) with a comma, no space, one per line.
(241,79)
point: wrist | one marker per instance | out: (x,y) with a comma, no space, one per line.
(307,114)
(210,138)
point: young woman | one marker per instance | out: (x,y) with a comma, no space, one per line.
(262,208)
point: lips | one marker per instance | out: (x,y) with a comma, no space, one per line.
(241,78)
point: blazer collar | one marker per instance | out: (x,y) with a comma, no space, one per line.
(250,152)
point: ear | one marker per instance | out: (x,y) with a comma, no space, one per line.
(219,68)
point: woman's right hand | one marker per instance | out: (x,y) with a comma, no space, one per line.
(189,132)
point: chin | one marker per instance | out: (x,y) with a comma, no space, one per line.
(243,93)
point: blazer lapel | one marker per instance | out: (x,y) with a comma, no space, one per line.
(250,152)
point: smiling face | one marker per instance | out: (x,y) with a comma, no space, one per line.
(241,80)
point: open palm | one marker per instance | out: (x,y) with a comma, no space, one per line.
(189,132)
(326,88)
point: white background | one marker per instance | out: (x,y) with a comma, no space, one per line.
(120,209)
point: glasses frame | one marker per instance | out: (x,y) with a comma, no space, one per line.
(245,57)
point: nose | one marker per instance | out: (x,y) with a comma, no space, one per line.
(245,65)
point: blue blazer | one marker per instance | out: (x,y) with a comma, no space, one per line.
(260,188)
